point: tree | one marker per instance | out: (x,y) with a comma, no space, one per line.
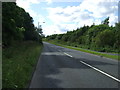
(17,24)
(59,36)
(117,36)
(105,38)
(106,21)
(96,37)
(9,29)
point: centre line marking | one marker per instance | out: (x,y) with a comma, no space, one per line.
(68,54)
(100,71)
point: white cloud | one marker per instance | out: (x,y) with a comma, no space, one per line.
(48,1)
(99,8)
(26,4)
(87,13)
(23,3)
(53,29)
(113,19)
(60,15)
(71,17)
(71,14)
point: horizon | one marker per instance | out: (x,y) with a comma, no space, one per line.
(60,17)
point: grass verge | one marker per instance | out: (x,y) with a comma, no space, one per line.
(87,51)
(18,63)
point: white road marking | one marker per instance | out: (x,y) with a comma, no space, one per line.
(68,54)
(52,53)
(100,71)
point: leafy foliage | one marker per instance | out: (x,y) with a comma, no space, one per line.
(17,24)
(106,21)
(96,37)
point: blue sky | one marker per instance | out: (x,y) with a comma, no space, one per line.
(62,16)
(119,12)
(42,9)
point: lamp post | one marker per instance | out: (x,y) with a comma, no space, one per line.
(40,25)
(39,30)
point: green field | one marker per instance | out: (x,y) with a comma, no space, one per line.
(18,64)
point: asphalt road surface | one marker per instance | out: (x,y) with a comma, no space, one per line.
(60,67)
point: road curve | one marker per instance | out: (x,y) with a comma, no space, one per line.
(60,67)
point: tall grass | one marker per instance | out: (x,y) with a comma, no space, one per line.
(18,63)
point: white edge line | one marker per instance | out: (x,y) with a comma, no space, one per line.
(68,54)
(101,71)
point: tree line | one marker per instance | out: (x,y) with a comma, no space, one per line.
(100,37)
(17,25)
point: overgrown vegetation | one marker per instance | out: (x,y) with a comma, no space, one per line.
(103,38)
(17,25)
(19,62)
(22,43)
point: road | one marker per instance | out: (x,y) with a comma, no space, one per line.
(59,67)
